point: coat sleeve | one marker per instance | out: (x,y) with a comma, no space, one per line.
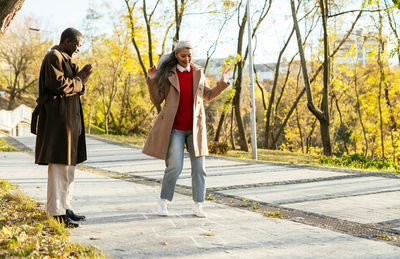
(211,93)
(56,81)
(155,96)
(76,68)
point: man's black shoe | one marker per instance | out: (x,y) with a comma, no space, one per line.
(67,221)
(73,216)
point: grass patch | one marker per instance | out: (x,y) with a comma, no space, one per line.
(27,232)
(131,139)
(6,147)
(360,161)
(276,156)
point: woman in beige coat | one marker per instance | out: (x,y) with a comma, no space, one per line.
(182,86)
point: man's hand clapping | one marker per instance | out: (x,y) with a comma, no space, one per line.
(84,73)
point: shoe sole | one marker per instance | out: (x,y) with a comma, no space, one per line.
(162,214)
(200,216)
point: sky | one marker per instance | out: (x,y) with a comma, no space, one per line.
(56,15)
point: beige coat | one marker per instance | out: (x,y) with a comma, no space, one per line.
(158,139)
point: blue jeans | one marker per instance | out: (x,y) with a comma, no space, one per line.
(174,166)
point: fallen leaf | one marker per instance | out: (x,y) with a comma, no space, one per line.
(209,234)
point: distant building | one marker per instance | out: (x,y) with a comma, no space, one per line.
(264,71)
(362,44)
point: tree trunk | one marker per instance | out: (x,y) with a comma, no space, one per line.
(321,115)
(300,131)
(178,18)
(238,88)
(133,38)
(309,137)
(232,138)
(381,79)
(11,102)
(147,20)
(8,10)
(342,125)
(236,106)
(393,126)
(325,121)
(358,108)
(221,119)
(220,123)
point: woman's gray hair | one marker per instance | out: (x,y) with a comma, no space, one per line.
(167,62)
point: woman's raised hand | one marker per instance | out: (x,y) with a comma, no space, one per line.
(152,72)
(225,75)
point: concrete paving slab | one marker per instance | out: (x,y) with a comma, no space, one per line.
(122,221)
(317,190)
(365,209)
(224,170)
(152,165)
(92,144)
(28,141)
(250,178)
(112,157)
(117,152)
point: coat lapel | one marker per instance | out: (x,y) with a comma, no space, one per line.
(67,59)
(173,79)
(196,80)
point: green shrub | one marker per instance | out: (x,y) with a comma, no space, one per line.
(358,160)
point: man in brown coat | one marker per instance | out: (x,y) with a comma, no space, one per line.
(60,141)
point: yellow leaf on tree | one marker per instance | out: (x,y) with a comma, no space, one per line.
(6,230)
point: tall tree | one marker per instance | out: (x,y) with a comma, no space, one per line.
(147,19)
(134,34)
(111,57)
(133,31)
(240,65)
(179,9)
(321,114)
(392,16)
(383,83)
(21,51)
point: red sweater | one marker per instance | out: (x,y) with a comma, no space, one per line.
(184,115)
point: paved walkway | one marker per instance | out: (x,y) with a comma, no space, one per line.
(260,209)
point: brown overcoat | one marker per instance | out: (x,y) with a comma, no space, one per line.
(158,139)
(60,130)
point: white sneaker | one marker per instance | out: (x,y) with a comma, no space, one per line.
(198,210)
(162,207)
